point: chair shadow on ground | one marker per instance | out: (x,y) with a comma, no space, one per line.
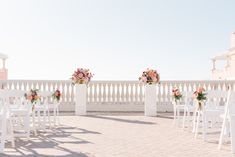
(53,139)
(122,120)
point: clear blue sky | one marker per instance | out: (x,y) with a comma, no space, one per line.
(116,39)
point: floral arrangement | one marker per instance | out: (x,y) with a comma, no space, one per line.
(200,95)
(32,96)
(176,94)
(81,76)
(56,95)
(150,76)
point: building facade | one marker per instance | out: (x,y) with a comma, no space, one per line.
(227,72)
(3,69)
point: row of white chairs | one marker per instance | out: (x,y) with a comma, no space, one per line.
(219,107)
(18,116)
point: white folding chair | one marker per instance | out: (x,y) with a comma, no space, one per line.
(55,108)
(20,112)
(38,119)
(210,112)
(6,129)
(3,125)
(43,107)
(188,108)
(228,121)
(50,106)
(178,106)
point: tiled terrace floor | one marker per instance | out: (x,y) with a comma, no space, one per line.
(117,136)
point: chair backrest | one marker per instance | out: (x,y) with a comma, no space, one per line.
(45,93)
(4,99)
(187,97)
(230,104)
(216,98)
(3,121)
(45,96)
(4,104)
(17,98)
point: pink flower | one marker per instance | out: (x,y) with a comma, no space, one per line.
(154,79)
(200,90)
(80,75)
(149,76)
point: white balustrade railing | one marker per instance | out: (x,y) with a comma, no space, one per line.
(115,93)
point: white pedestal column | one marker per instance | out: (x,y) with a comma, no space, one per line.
(150,100)
(80,99)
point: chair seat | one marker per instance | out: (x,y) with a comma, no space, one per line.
(190,108)
(213,111)
(180,106)
(52,106)
(39,107)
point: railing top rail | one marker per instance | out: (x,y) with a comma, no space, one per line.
(197,81)
(126,81)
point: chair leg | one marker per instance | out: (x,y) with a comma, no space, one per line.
(232,131)
(34,125)
(188,119)
(174,114)
(194,121)
(44,120)
(54,114)
(227,129)
(39,119)
(197,125)
(49,117)
(58,115)
(204,127)
(2,146)
(222,133)
(3,135)
(27,126)
(184,118)
(178,116)
(11,131)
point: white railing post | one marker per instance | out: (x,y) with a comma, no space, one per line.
(150,100)
(80,99)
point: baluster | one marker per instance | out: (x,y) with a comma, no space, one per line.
(136,88)
(141,94)
(118,93)
(63,92)
(68,93)
(88,93)
(113,92)
(104,92)
(127,92)
(95,93)
(99,96)
(122,97)
(131,93)
(15,85)
(24,86)
(109,93)
(71,92)
(168,85)
(163,92)
(159,94)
